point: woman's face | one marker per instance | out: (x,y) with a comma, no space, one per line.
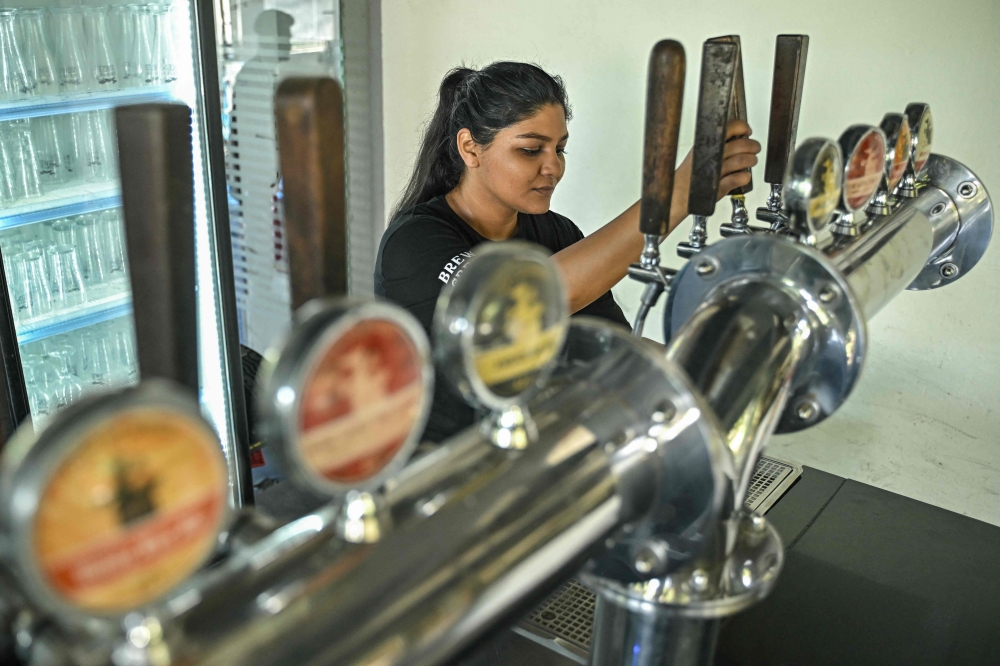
(525,162)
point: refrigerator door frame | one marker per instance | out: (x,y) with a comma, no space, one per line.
(206,70)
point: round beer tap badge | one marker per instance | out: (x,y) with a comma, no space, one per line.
(864,170)
(924,138)
(134,509)
(514,340)
(364,396)
(900,155)
(826,185)
(500,328)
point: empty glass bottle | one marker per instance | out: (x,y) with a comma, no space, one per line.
(69,50)
(94,146)
(37,54)
(144,47)
(15,83)
(122,27)
(164,43)
(48,150)
(103,66)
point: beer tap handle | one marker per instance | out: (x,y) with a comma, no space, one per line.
(664,97)
(715,93)
(310,130)
(739,222)
(154,147)
(786,98)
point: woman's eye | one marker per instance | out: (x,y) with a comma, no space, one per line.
(531,152)
(561,151)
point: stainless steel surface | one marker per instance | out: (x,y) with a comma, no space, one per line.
(673,620)
(476,528)
(827,308)
(564,621)
(964,195)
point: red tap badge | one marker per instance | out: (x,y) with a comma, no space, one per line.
(132,511)
(360,401)
(864,171)
(900,155)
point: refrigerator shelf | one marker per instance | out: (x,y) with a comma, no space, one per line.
(93,312)
(76,200)
(53,105)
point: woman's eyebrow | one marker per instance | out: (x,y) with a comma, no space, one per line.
(541,137)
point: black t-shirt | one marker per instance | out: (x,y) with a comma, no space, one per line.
(425,248)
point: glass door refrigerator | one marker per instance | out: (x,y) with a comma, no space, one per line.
(66,328)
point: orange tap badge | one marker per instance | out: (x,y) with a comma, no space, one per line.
(132,511)
(360,401)
(900,155)
(925,136)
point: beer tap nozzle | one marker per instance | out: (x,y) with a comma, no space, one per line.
(719,60)
(786,98)
(664,96)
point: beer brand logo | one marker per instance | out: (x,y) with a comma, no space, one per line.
(132,511)
(825,188)
(900,155)
(524,348)
(864,172)
(360,402)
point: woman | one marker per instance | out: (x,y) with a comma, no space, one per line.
(488,164)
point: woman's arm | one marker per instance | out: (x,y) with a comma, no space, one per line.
(593,265)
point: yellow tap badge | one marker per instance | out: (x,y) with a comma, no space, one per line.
(826,186)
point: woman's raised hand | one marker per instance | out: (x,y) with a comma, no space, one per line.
(740,154)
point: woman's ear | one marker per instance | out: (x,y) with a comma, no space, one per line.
(468,149)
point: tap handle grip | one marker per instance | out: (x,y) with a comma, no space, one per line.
(715,92)
(310,130)
(786,97)
(157,180)
(664,97)
(738,105)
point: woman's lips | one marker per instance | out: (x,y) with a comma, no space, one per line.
(548,189)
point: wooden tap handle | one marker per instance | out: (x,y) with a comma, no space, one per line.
(715,92)
(786,97)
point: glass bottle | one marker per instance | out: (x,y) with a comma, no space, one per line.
(144,47)
(37,54)
(71,63)
(164,43)
(16,83)
(123,35)
(103,67)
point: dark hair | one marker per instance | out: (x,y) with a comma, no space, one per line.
(484,102)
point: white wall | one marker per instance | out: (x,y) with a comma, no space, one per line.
(924,419)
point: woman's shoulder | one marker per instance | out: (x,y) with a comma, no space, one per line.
(553,230)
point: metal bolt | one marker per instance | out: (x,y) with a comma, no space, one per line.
(968,189)
(664,412)
(948,270)
(807,410)
(757,522)
(938,208)
(829,293)
(705,268)
(699,580)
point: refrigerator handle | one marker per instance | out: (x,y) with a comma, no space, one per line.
(154,145)
(13,393)
(310,124)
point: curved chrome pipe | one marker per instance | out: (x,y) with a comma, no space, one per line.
(476,530)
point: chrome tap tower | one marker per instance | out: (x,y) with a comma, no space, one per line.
(599,455)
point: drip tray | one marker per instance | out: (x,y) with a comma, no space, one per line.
(563,621)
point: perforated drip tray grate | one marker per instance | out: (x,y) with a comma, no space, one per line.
(563,621)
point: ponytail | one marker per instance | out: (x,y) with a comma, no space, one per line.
(484,102)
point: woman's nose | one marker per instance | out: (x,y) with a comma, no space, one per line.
(552,165)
